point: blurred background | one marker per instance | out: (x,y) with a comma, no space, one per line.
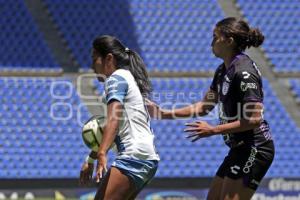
(47,90)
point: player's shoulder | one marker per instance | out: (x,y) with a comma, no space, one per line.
(243,62)
(118,75)
(219,71)
(122,75)
(220,68)
(116,79)
(245,65)
(122,72)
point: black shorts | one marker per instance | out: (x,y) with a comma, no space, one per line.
(249,163)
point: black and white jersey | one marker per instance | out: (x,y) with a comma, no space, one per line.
(237,86)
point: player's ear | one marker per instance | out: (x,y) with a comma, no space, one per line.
(230,40)
(109,57)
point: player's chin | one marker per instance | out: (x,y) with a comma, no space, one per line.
(215,53)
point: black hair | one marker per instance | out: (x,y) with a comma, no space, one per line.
(125,59)
(240,31)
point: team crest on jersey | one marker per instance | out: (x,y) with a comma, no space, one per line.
(226,78)
(225,88)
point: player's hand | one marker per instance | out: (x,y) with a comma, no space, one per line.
(153,109)
(199,129)
(101,167)
(86,173)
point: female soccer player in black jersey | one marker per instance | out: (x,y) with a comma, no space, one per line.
(237,88)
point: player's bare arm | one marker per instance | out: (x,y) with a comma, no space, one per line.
(110,130)
(200,108)
(251,120)
(87,169)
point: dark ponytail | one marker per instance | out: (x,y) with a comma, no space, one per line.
(137,68)
(239,30)
(125,59)
(256,38)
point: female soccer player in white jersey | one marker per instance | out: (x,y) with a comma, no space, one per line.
(128,121)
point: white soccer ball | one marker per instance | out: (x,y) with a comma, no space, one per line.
(92,132)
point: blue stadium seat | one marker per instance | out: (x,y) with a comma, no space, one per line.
(294,84)
(171,36)
(22,45)
(279,21)
(34,144)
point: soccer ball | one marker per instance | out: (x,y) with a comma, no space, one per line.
(92,132)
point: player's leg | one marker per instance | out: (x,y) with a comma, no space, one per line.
(214,192)
(215,188)
(134,195)
(248,167)
(126,179)
(150,167)
(235,190)
(115,186)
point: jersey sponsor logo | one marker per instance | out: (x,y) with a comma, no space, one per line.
(225,88)
(245,86)
(246,75)
(250,160)
(234,169)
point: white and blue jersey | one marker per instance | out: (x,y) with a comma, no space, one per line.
(135,139)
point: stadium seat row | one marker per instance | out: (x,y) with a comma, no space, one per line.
(279,21)
(22,45)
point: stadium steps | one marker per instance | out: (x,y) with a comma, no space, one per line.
(52,35)
(288,101)
(86,90)
(23,47)
(279,20)
(293,85)
(172,36)
(29,73)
